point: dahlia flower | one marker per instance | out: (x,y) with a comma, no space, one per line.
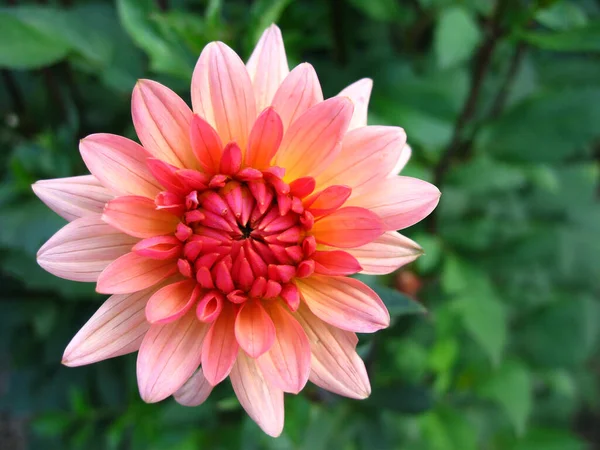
(227,237)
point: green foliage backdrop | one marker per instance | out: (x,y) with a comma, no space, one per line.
(501,103)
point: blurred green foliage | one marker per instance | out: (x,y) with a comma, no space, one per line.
(501,103)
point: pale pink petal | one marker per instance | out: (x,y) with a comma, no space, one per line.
(220,347)
(254,329)
(195,390)
(119,164)
(402,160)
(117,328)
(73,197)
(368,154)
(360,93)
(399,201)
(299,91)
(314,139)
(81,250)
(138,216)
(223,95)
(262,401)
(168,357)
(132,272)
(162,122)
(287,364)
(335,365)
(335,262)
(386,254)
(264,140)
(267,66)
(348,227)
(172,302)
(343,302)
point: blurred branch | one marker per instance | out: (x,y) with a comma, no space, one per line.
(502,96)
(12,87)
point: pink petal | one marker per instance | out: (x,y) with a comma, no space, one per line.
(119,164)
(73,197)
(262,401)
(328,200)
(168,357)
(206,144)
(162,122)
(117,328)
(348,227)
(335,365)
(220,347)
(172,302)
(344,302)
(313,140)
(359,92)
(132,272)
(81,250)
(287,364)
(368,154)
(264,140)
(402,160)
(335,262)
(138,216)
(195,390)
(254,329)
(386,254)
(222,93)
(399,201)
(299,91)
(267,66)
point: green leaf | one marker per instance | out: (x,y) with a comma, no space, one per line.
(397,303)
(581,39)
(456,36)
(28,38)
(448,429)
(547,127)
(511,388)
(550,439)
(262,14)
(382,10)
(404,399)
(562,15)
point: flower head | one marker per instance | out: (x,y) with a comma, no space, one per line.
(226,238)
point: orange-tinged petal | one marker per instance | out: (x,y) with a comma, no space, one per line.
(367,155)
(344,302)
(162,123)
(168,357)
(172,301)
(267,66)
(360,93)
(314,139)
(220,347)
(81,250)
(299,91)
(206,144)
(73,197)
(328,200)
(386,254)
(254,329)
(119,164)
(335,365)
(335,262)
(195,390)
(138,216)
(264,140)
(226,90)
(262,401)
(399,201)
(132,272)
(287,364)
(117,328)
(348,227)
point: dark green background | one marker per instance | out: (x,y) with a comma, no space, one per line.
(501,103)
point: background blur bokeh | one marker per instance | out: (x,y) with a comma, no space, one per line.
(501,103)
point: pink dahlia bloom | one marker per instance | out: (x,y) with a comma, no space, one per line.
(226,238)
